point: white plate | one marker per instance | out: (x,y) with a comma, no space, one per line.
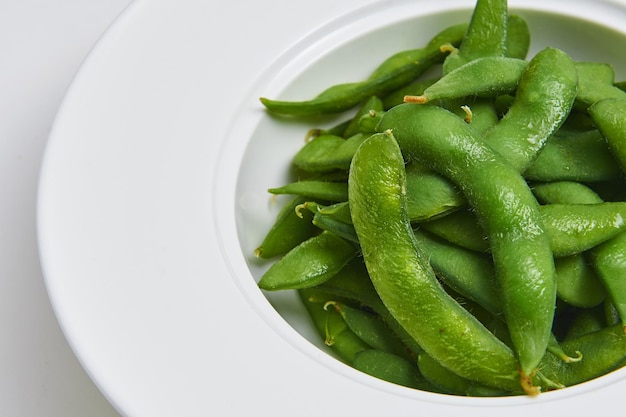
(152,199)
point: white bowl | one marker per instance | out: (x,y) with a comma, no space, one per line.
(153,198)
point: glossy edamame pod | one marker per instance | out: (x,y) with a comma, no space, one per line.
(486,34)
(391,368)
(609,261)
(353,283)
(575,228)
(506,209)
(396,71)
(327,153)
(429,195)
(542,103)
(582,157)
(543,100)
(314,189)
(489,76)
(288,231)
(371,329)
(330,325)
(439,376)
(404,280)
(313,261)
(603,351)
(570,228)
(586,321)
(470,274)
(596,82)
(609,115)
(565,192)
(415,88)
(372,104)
(577,283)
(517,39)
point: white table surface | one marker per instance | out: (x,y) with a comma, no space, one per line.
(42,44)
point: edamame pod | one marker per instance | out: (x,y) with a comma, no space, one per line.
(403,278)
(287,232)
(330,325)
(596,82)
(323,190)
(480,77)
(506,209)
(393,73)
(543,101)
(308,264)
(609,115)
(581,157)
(486,34)
(603,351)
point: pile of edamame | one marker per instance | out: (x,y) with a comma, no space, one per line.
(465,233)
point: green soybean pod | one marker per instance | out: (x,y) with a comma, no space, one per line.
(314,189)
(603,351)
(403,278)
(429,195)
(570,228)
(414,88)
(460,228)
(442,378)
(353,283)
(394,72)
(486,34)
(609,115)
(581,157)
(371,328)
(575,228)
(586,321)
(313,261)
(609,261)
(330,325)
(287,232)
(469,80)
(327,153)
(505,207)
(374,104)
(391,368)
(542,103)
(565,192)
(517,37)
(468,273)
(577,283)
(596,81)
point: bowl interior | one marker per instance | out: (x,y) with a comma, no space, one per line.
(349,52)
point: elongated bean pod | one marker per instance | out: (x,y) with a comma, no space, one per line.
(403,278)
(506,209)
(396,71)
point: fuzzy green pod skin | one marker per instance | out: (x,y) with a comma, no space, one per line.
(596,81)
(482,77)
(507,210)
(609,115)
(517,37)
(396,71)
(310,263)
(287,232)
(486,34)
(581,157)
(403,278)
(543,101)
(565,192)
(603,351)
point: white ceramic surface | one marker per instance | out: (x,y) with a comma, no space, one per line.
(152,199)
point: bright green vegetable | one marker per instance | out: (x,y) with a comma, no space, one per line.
(506,209)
